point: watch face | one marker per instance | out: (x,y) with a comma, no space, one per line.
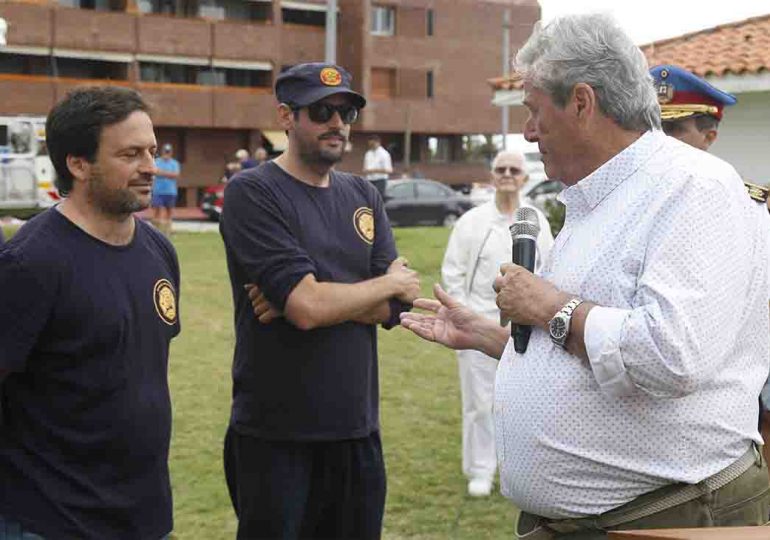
(558,328)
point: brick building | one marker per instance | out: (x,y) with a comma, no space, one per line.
(208,67)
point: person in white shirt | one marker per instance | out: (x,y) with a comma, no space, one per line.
(635,405)
(377,164)
(480,242)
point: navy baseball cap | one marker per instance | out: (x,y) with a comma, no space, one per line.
(304,84)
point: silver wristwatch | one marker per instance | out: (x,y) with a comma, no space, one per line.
(559,326)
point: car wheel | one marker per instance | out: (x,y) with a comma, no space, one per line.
(449,220)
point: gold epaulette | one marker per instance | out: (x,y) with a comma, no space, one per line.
(758,193)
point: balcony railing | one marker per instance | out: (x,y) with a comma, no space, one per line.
(173,104)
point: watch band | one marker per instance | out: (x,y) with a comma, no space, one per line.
(571,306)
(564,315)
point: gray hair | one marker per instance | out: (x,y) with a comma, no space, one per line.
(594,50)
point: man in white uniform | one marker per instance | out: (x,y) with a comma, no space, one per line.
(480,242)
(377,164)
(635,405)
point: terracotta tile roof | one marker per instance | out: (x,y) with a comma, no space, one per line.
(739,48)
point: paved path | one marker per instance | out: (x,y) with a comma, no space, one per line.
(194,226)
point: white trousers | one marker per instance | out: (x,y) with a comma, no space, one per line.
(477,384)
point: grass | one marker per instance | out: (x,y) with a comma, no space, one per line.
(420,410)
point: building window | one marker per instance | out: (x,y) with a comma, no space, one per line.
(306,17)
(383,21)
(166,7)
(167,73)
(24,64)
(204,75)
(439,149)
(383,83)
(245,78)
(429,23)
(429,83)
(78,68)
(477,148)
(98,5)
(211,9)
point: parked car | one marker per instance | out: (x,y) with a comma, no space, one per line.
(213,200)
(424,202)
(482,192)
(540,192)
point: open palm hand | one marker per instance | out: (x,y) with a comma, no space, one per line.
(447,322)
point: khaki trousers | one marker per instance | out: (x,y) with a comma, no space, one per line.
(743,502)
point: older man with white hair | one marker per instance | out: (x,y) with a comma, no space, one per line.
(635,404)
(480,242)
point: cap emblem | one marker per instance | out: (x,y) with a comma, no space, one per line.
(665,92)
(331,77)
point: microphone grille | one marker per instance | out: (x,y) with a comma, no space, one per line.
(525,222)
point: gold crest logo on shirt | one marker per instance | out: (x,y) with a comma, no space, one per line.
(363,222)
(331,77)
(165,301)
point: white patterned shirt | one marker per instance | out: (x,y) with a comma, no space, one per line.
(666,239)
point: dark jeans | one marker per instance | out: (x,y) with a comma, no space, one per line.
(380,185)
(290,490)
(13,530)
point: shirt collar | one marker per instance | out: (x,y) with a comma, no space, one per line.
(591,190)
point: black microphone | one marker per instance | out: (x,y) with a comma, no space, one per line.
(524,231)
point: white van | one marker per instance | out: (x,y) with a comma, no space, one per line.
(26,171)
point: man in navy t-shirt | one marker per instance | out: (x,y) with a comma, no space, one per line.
(303,456)
(90,304)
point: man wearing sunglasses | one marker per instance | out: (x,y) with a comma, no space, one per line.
(479,244)
(303,457)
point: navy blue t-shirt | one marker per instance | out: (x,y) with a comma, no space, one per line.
(290,384)
(84,332)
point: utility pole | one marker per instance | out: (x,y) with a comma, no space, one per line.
(408,139)
(331,31)
(506,71)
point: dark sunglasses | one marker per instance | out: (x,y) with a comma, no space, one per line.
(502,170)
(320,113)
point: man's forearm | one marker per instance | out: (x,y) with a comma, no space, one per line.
(576,339)
(491,337)
(379,314)
(314,304)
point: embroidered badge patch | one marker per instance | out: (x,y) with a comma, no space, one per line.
(165,301)
(363,221)
(331,77)
(665,89)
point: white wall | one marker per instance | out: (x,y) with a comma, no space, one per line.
(744,137)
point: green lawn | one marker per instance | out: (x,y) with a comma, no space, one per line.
(420,410)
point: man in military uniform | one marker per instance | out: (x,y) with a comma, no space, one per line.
(690,110)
